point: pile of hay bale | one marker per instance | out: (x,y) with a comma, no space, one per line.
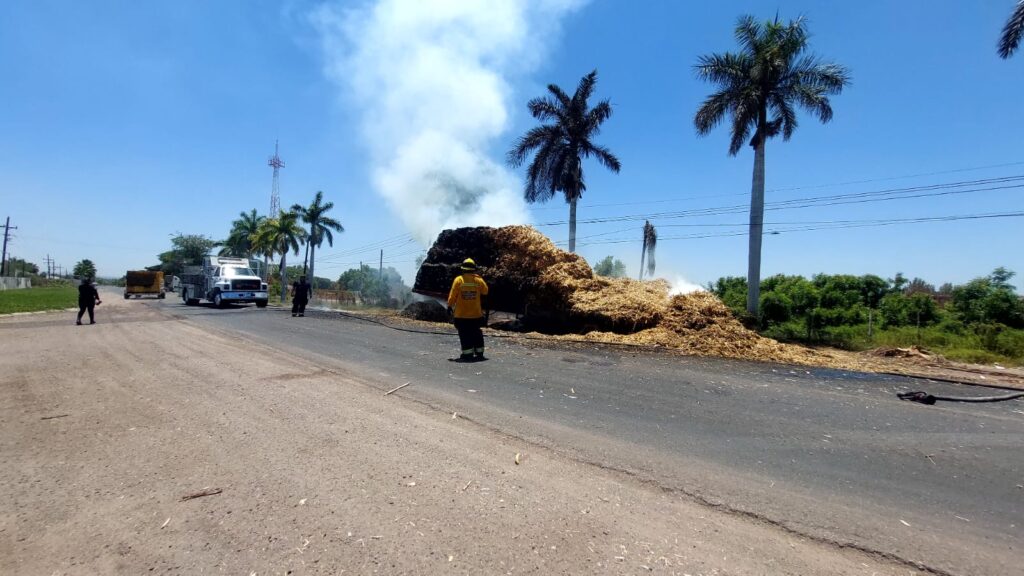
(555,291)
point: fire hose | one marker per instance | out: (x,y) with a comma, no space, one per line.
(929,399)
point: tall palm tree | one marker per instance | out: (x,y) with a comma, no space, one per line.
(278,236)
(561,145)
(320,227)
(239,242)
(1012,32)
(758,88)
(650,243)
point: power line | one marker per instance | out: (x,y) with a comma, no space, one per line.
(838,224)
(1006,183)
(795,188)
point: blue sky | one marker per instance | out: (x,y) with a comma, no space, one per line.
(124,123)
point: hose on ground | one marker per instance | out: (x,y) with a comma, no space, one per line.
(929,399)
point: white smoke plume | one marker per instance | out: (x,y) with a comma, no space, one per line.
(680,285)
(429,79)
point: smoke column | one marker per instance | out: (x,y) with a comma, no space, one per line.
(429,79)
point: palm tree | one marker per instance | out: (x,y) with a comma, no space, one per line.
(650,242)
(1012,32)
(320,227)
(277,236)
(561,146)
(758,88)
(239,242)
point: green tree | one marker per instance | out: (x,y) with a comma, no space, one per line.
(561,144)
(320,226)
(85,269)
(239,242)
(19,267)
(375,286)
(758,88)
(186,250)
(610,267)
(278,236)
(899,309)
(731,290)
(1009,41)
(990,299)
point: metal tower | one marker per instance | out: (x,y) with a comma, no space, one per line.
(275,194)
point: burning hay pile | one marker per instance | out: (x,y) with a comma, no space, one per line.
(557,293)
(554,290)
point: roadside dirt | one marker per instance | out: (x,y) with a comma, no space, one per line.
(919,365)
(106,429)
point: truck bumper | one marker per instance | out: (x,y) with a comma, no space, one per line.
(243,296)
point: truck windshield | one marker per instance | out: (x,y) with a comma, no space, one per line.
(230,271)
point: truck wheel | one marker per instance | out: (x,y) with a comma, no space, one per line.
(261,303)
(188,301)
(126,296)
(218,301)
(162,296)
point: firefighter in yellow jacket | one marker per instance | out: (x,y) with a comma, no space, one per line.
(464,301)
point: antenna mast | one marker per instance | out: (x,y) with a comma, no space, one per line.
(276,163)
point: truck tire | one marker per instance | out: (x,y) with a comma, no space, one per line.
(261,303)
(218,301)
(188,301)
(162,296)
(126,296)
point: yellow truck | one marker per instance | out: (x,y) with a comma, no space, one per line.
(139,283)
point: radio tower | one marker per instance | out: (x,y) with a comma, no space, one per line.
(275,194)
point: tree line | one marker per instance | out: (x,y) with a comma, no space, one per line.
(859,311)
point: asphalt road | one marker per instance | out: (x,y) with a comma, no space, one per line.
(828,455)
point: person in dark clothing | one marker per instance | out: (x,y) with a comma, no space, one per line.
(88,298)
(301,291)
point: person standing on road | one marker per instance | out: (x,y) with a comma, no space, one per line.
(88,298)
(464,303)
(301,291)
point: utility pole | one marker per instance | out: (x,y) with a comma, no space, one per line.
(380,269)
(7,233)
(49,267)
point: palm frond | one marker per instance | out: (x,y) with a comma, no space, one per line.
(545,109)
(603,155)
(744,119)
(725,69)
(748,32)
(1009,41)
(713,111)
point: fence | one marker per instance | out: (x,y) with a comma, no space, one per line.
(10,283)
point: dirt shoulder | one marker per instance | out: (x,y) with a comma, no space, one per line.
(106,430)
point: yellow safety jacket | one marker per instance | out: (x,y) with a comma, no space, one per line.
(464,297)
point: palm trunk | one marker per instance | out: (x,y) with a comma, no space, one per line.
(305,259)
(756,228)
(284,277)
(572,224)
(311,278)
(266,267)
(643,253)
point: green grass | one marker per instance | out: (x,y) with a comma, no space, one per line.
(36,299)
(1004,346)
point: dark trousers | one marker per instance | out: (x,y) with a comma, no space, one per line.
(299,306)
(82,307)
(471,337)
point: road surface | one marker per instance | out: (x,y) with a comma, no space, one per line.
(630,460)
